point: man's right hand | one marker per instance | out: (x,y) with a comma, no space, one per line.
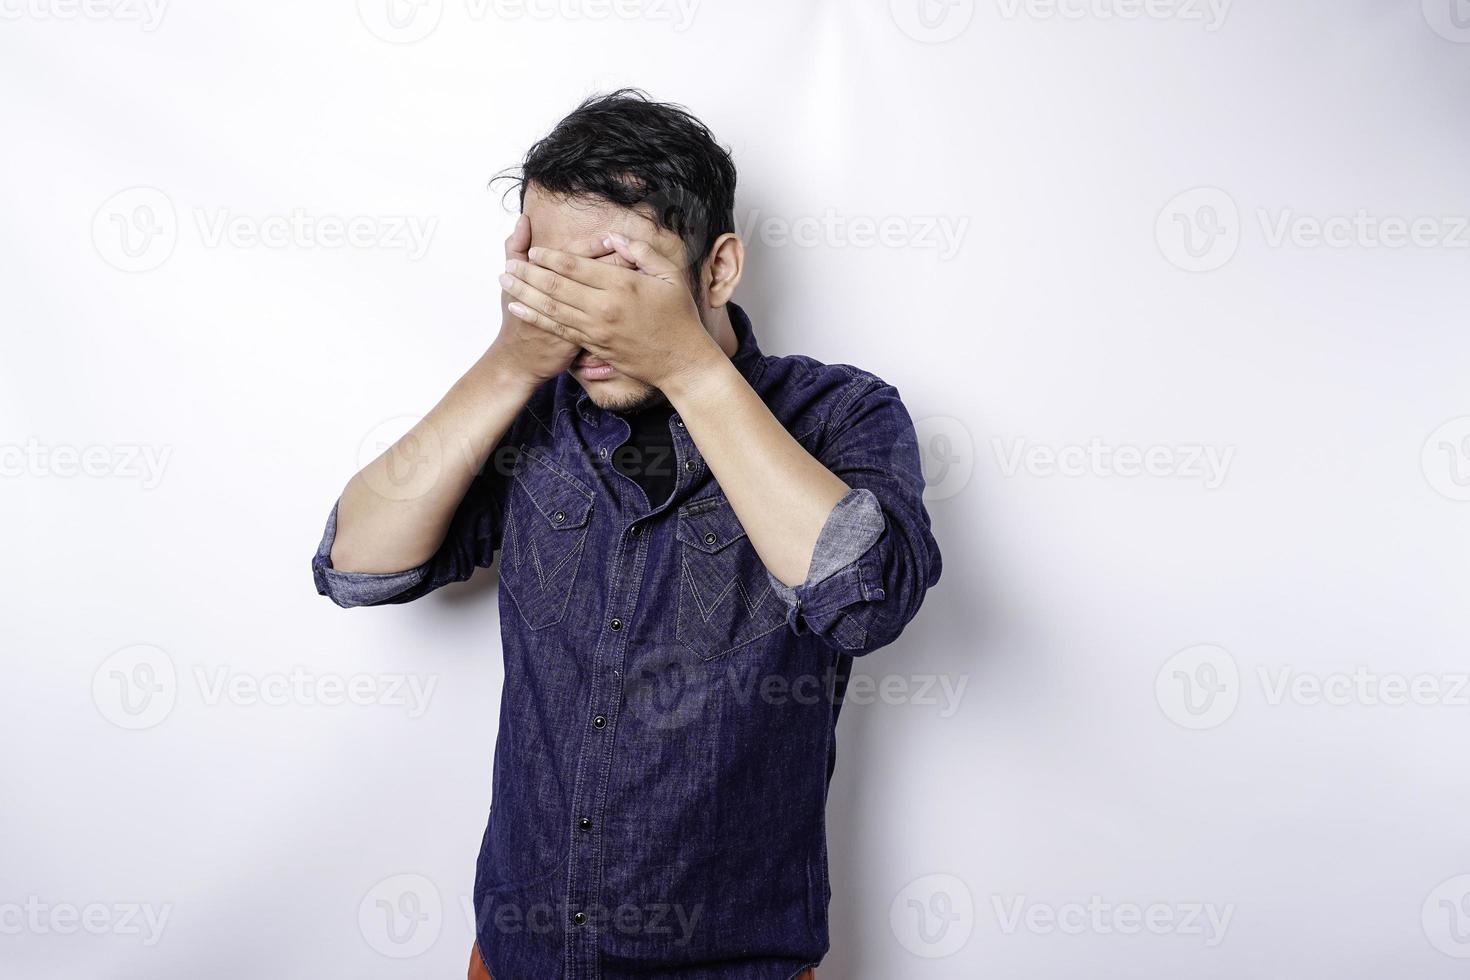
(529,354)
(389,522)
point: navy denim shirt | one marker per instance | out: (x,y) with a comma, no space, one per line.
(666,726)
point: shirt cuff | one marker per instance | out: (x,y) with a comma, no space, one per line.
(349,589)
(854,526)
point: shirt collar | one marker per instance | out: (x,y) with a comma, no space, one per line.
(747,353)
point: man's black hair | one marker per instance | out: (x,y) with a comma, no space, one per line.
(654,157)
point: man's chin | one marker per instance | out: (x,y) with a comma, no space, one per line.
(621,394)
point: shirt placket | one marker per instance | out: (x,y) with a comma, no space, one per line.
(594,760)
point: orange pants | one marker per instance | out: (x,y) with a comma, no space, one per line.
(478,972)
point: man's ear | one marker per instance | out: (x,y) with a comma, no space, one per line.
(722,269)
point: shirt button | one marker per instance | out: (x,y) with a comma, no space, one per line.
(558,517)
(603,452)
(599,722)
(710,538)
(679,423)
(689,465)
(579,918)
(615,625)
(585,823)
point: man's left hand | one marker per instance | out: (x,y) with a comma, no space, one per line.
(642,321)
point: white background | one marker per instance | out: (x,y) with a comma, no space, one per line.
(1079,764)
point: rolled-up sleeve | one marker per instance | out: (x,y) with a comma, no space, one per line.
(875,557)
(470,543)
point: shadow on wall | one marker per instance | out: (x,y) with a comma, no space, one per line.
(960,620)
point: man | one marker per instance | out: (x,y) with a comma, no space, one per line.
(696,539)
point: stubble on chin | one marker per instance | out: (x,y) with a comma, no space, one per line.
(629,401)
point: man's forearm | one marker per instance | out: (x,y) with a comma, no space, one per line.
(781,494)
(394,513)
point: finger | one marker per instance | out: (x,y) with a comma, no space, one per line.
(591,247)
(567,291)
(530,296)
(541,321)
(645,257)
(588,272)
(520,239)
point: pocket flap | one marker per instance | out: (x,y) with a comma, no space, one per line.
(709,525)
(561,501)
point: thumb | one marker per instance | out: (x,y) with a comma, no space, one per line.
(643,256)
(519,240)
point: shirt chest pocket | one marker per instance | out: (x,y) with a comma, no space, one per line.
(547,514)
(725,596)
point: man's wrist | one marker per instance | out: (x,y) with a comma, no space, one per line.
(696,369)
(501,372)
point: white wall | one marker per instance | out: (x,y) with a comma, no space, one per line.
(1332,540)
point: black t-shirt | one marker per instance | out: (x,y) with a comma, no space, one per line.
(648,455)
